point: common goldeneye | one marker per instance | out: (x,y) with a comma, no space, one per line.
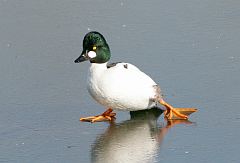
(120,86)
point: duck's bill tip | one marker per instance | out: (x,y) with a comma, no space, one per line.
(81,58)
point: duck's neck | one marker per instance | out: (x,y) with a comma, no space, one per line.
(97,68)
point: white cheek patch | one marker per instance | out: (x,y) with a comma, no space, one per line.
(92,54)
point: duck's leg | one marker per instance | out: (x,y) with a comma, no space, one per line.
(176,113)
(108,115)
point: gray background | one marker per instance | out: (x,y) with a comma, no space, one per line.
(191,48)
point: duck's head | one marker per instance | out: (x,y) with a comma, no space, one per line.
(95,49)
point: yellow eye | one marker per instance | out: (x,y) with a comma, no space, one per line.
(94,48)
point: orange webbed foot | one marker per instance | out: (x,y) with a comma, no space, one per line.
(108,115)
(176,113)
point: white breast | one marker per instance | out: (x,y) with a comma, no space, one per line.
(122,87)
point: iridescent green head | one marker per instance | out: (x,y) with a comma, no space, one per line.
(95,49)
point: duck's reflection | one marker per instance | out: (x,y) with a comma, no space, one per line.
(135,140)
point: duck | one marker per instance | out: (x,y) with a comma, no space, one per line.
(120,86)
